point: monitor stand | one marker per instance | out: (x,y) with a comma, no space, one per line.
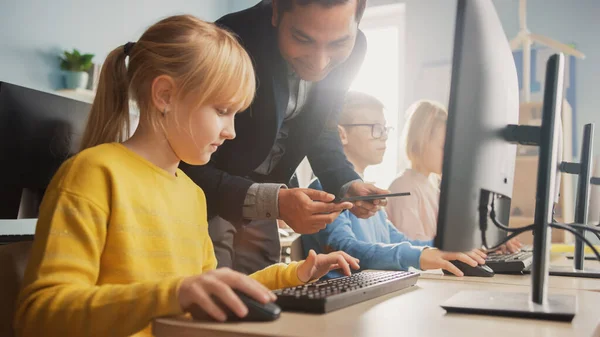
(587,257)
(555,308)
(537,304)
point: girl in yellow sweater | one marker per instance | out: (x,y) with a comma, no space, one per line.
(122,234)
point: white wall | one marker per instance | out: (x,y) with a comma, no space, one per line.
(33,33)
(238,5)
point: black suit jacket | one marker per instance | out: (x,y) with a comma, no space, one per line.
(313,133)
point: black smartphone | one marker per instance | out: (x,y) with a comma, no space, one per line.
(372,197)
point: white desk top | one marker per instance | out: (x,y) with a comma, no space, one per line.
(560,282)
(410,312)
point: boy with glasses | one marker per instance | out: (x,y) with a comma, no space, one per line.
(375,241)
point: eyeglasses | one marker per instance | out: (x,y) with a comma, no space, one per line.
(377,130)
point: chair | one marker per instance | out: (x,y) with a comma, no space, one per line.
(13,259)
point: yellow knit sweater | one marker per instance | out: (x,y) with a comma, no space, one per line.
(115,236)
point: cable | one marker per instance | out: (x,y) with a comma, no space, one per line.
(492,215)
(504,227)
(553,225)
(583,227)
(508,238)
(516,231)
(594,230)
(577,234)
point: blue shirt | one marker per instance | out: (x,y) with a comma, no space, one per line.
(374,241)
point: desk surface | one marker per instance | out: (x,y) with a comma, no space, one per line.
(560,282)
(410,312)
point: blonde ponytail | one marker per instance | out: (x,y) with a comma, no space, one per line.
(109,116)
(205,61)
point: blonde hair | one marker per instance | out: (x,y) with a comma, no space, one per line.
(204,60)
(355,101)
(425,117)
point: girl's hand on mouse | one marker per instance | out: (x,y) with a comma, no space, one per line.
(316,266)
(432,258)
(200,289)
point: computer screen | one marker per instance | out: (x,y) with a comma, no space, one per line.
(38,132)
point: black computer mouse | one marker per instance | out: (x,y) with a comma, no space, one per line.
(257,312)
(481,270)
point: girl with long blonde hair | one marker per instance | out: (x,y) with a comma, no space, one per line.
(122,233)
(425,133)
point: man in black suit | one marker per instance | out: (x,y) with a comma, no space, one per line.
(306,54)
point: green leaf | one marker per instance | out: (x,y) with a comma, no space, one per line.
(64,65)
(87,58)
(75,61)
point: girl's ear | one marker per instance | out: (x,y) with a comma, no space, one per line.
(343,135)
(163,91)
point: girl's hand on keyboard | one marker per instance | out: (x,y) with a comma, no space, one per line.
(316,266)
(199,290)
(435,259)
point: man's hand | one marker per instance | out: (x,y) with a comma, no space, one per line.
(307,211)
(366,209)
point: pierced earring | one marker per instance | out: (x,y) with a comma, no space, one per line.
(164,112)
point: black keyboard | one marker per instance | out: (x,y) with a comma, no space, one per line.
(11,238)
(514,263)
(329,295)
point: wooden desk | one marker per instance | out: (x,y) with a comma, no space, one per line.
(410,312)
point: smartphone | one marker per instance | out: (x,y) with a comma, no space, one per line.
(372,197)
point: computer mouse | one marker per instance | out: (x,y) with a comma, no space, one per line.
(257,312)
(481,270)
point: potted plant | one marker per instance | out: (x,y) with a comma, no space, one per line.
(75,65)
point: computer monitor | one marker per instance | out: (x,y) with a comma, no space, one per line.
(583,190)
(484,99)
(479,161)
(583,170)
(38,132)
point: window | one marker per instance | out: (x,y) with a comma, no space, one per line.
(382,77)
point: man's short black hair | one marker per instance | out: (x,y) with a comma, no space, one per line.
(288,5)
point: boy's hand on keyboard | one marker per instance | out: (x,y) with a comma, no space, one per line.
(316,266)
(435,259)
(307,211)
(198,290)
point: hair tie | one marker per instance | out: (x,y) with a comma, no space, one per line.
(127,47)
